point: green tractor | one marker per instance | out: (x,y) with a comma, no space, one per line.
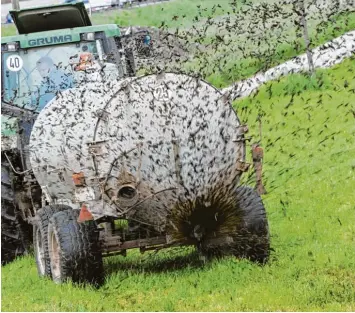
(57,48)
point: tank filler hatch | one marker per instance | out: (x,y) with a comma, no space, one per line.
(51,18)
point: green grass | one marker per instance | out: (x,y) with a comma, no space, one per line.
(171,14)
(310,178)
(309,173)
(226,64)
(8,30)
(154,15)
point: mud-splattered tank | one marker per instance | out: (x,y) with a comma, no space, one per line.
(138,147)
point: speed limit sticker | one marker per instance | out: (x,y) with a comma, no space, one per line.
(14,63)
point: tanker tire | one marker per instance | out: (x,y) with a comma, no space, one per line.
(255,243)
(74,249)
(249,238)
(40,237)
(15,232)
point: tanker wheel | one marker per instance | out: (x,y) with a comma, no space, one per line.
(15,232)
(40,237)
(249,238)
(74,249)
(253,239)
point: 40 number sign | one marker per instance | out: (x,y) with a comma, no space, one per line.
(14,63)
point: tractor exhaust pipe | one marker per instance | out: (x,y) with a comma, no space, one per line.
(15,4)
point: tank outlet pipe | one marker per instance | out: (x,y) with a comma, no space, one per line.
(127,195)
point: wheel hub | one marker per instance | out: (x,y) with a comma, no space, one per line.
(40,252)
(55,259)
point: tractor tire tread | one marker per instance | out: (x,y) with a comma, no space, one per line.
(14,241)
(44,214)
(80,253)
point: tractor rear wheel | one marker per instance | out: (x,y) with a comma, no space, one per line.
(15,232)
(74,249)
(40,237)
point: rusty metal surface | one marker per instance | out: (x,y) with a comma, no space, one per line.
(169,136)
(258,155)
(114,245)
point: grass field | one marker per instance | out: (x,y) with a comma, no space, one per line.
(309,172)
(308,137)
(237,42)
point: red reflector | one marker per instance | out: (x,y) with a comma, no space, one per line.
(84,215)
(79,179)
(257,152)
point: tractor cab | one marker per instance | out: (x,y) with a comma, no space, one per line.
(57,48)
